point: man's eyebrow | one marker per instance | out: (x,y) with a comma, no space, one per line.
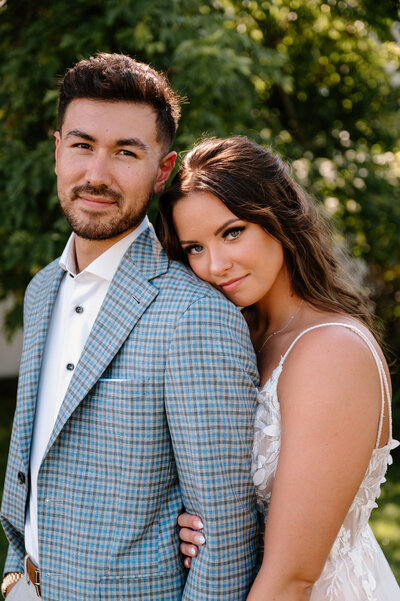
(77,133)
(133,142)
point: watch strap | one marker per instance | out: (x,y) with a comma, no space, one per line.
(10,578)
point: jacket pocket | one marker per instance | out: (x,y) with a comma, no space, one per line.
(143,587)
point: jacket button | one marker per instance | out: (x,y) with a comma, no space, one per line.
(21,477)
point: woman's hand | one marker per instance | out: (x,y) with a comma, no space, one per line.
(189,533)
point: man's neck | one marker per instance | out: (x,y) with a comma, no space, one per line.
(86,251)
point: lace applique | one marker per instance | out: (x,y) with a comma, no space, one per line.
(267,440)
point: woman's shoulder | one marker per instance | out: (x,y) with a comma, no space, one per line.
(326,330)
(332,378)
(332,349)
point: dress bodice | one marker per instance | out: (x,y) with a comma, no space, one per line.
(354,540)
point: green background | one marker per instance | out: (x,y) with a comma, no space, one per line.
(317,80)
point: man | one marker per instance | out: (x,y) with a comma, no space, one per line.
(137,381)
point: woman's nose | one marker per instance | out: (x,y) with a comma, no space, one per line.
(220,262)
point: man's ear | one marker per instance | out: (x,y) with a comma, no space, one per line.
(164,171)
(57,136)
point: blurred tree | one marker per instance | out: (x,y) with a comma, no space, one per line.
(207,60)
(338,121)
(318,80)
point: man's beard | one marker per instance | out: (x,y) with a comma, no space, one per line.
(102,229)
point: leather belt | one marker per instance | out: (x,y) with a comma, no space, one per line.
(33,575)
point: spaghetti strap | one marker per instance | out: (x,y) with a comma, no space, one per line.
(385,394)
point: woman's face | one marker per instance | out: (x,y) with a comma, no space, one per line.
(237,257)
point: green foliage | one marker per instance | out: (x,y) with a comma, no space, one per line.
(385,520)
(318,80)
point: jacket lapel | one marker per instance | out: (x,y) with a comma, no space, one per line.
(128,297)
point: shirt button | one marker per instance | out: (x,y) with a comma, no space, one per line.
(78,309)
(70,366)
(21,477)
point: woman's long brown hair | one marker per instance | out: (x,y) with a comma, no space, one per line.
(255,185)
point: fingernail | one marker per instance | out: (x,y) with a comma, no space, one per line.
(187,563)
(198,524)
(199,538)
(192,551)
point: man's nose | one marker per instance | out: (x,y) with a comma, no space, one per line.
(98,170)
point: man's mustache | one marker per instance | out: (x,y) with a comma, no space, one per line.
(102,191)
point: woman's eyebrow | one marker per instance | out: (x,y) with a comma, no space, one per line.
(222,227)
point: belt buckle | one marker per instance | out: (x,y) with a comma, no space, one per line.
(37,582)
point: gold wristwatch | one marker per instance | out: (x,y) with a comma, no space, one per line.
(10,578)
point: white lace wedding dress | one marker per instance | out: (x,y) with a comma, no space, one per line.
(356,568)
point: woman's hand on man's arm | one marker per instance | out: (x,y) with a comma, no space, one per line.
(191,536)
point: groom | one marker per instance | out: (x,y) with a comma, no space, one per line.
(137,384)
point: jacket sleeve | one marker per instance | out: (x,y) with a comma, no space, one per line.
(13,562)
(211,381)
(17,549)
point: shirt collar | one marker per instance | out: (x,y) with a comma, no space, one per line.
(106,265)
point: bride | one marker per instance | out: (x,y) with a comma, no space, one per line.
(322,436)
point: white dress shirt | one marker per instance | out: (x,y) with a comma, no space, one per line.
(78,302)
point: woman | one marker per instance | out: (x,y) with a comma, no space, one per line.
(323,427)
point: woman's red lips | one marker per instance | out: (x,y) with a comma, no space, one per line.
(231,284)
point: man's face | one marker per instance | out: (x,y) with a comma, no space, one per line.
(108,163)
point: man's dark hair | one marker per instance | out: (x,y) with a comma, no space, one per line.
(117,77)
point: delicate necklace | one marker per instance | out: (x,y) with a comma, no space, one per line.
(281,330)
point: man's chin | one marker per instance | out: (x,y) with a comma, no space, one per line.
(97,235)
(101,231)
(96,226)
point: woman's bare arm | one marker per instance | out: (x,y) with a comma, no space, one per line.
(330,401)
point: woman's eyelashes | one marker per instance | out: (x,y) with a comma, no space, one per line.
(193,249)
(233,232)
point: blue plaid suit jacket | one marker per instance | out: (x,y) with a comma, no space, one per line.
(158,416)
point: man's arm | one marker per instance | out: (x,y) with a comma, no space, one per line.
(13,560)
(13,564)
(210,400)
